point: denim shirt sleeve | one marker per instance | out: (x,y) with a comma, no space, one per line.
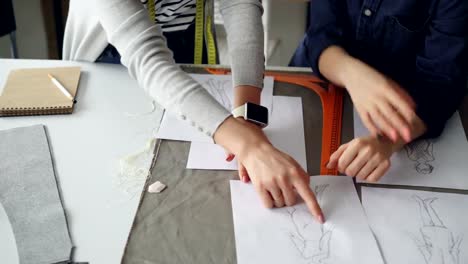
(441,67)
(325,30)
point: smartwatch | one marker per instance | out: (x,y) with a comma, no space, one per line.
(253,113)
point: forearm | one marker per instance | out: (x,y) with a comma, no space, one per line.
(244,28)
(339,67)
(334,64)
(144,52)
(244,94)
(245,41)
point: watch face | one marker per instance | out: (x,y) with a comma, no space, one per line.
(257,113)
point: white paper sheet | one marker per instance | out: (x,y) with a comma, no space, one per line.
(291,235)
(220,87)
(418,227)
(441,162)
(285,131)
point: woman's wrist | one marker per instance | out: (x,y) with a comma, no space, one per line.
(390,146)
(337,65)
(246,93)
(349,71)
(238,136)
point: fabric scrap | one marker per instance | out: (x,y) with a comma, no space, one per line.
(30,196)
(156,187)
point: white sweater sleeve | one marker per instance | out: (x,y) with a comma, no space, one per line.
(244,28)
(144,52)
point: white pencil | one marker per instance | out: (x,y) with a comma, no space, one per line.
(60,86)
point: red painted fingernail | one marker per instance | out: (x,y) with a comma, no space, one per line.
(230,157)
(321,219)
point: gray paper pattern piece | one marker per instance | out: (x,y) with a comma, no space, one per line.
(29,194)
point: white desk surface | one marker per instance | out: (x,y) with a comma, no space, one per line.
(86,147)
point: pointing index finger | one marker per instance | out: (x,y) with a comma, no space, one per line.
(309,198)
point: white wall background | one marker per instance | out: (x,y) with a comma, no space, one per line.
(285,27)
(31,36)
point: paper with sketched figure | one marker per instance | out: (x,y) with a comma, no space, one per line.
(285,132)
(418,227)
(220,87)
(440,162)
(291,235)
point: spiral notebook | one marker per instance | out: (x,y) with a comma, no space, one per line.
(31,92)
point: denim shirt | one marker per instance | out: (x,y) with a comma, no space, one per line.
(421,44)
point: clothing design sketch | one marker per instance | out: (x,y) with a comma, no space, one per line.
(312,241)
(218,89)
(421,152)
(436,242)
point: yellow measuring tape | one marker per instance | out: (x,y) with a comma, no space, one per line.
(200,29)
(206,27)
(151,10)
(210,41)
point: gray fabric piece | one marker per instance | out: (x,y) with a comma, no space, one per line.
(29,194)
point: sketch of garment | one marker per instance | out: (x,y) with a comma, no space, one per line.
(421,152)
(437,244)
(312,241)
(218,89)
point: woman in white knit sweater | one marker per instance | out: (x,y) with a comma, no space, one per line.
(142,47)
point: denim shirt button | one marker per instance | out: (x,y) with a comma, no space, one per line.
(368,12)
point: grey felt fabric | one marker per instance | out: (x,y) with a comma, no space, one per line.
(29,194)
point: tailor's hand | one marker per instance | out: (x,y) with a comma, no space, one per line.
(243,175)
(242,95)
(275,175)
(366,158)
(384,107)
